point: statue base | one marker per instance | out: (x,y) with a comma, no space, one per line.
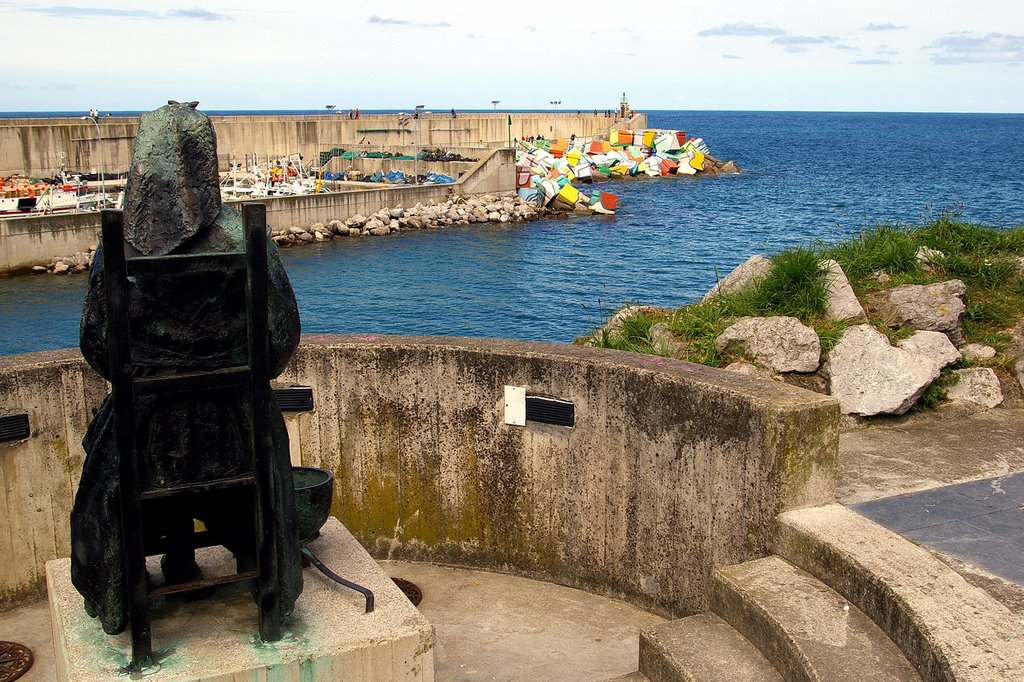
(329,637)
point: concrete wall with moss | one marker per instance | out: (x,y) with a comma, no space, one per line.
(671,469)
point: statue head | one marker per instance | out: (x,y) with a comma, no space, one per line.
(173,188)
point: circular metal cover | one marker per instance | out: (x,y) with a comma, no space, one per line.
(15,660)
(411,590)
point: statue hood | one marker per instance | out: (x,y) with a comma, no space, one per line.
(173,188)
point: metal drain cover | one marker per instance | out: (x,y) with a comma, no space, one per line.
(411,590)
(15,660)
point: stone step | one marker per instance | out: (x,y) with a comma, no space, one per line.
(948,628)
(701,648)
(802,626)
(631,677)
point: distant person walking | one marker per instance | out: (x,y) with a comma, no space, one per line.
(454,115)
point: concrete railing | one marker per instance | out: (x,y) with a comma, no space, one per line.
(28,241)
(669,471)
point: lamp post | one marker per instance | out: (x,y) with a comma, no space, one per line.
(555,104)
(495,102)
(94,116)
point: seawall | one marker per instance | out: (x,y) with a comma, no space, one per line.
(28,241)
(40,146)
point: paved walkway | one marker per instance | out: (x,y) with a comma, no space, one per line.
(948,481)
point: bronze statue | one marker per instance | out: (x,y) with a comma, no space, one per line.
(186,323)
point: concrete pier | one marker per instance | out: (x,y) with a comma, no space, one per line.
(40,146)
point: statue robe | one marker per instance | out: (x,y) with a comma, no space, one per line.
(192,322)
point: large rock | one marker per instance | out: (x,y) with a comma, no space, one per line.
(869,376)
(1018,370)
(780,344)
(934,345)
(664,342)
(978,385)
(931,307)
(975,352)
(842,302)
(613,327)
(756,267)
(751,370)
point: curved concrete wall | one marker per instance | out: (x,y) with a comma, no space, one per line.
(671,469)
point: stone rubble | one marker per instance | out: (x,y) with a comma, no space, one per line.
(931,307)
(754,268)
(842,301)
(934,345)
(780,344)
(978,385)
(869,376)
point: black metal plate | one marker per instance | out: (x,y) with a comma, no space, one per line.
(14,427)
(294,398)
(550,411)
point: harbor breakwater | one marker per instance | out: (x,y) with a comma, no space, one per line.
(39,147)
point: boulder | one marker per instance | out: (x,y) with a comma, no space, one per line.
(978,385)
(617,319)
(380,230)
(927,256)
(931,307)
(842,302)
(934,345)
(304,237)
(358,220)
(754,268)
(974,352)
(38,268)
(664,342)
(869,376)
(336,226)
(751,370)
(781,344)
(61,267)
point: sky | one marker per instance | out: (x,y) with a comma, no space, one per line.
(866,55)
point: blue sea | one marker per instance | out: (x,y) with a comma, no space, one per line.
(806,177)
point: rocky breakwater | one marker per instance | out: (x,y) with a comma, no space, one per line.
(458,210)
(862,367)
(488,208)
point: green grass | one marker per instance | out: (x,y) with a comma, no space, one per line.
(883,257)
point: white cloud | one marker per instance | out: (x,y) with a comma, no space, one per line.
(805,40)
(884,27)
(964,48)
(743,29)
(374,19)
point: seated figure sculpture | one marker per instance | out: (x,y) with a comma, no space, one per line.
(181,323)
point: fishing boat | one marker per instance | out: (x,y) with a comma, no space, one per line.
(21,196)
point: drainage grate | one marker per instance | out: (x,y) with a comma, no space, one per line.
(411,590)
(550,411)
(14,427)
(15,660)
(294,398)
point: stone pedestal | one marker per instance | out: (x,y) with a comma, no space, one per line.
(329,637)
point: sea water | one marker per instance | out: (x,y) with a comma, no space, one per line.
(807,177)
